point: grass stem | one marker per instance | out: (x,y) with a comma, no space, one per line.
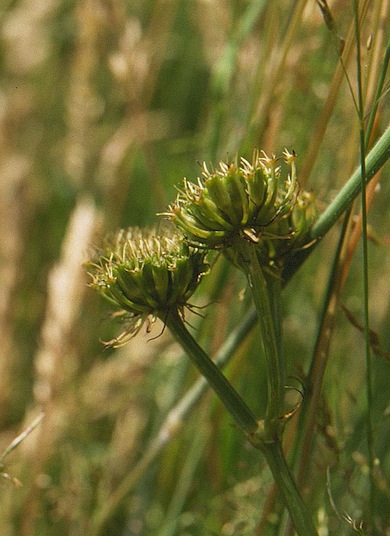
(369,394)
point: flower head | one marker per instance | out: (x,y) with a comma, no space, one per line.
(145,273)
(245,200)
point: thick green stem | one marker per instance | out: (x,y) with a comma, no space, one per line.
(299,514)
(374,161)
(265,292)
(266,295)
(274,285)
(222,387)
(376,158)
(248,423)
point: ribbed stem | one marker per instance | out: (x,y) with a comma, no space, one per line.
(299,514)
(237,408)
(376,158)
(374,161)
(244,417)
(265,293)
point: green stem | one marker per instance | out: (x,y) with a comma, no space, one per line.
(265,291)
(376,158)
(362,139)
(299,514)
(248,423)
(237,408)
(274,286)
(266,295)
(374,161)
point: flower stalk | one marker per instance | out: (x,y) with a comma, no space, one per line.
(266,288)
(265,292)
(292,499)
(233,402)
(260,433)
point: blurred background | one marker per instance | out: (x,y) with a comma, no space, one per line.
(105,105)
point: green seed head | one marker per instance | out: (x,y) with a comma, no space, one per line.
(246,200)
(234,200)
(145,273)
